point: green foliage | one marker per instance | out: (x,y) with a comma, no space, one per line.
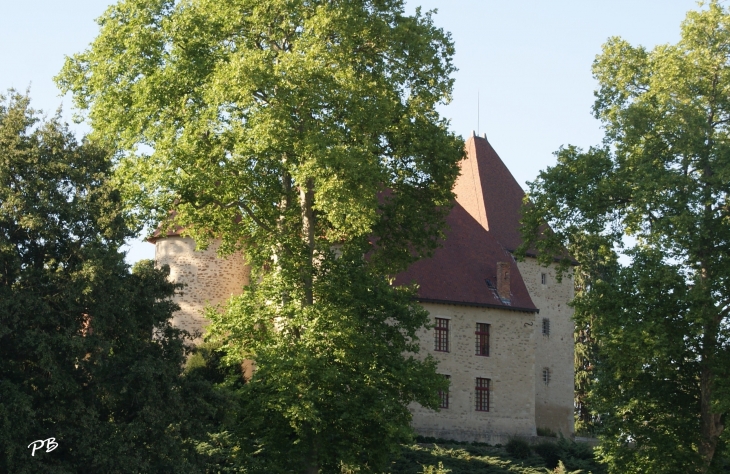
(248,105)
(518,448)
(341,386)
(571,455)
(87,355)
(550,452)
(651,360)
(466,458)
(546,432)
(436,469)
(561,469)
(297,131)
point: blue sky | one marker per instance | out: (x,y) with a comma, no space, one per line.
(528,61)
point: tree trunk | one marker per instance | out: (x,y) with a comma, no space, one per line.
(711,425)
(711,422)
(306,197)
(281,224)
(313,467)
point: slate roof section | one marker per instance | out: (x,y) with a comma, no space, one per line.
(483,229)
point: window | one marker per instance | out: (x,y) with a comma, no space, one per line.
(482,394)
(545,326)
(543,278)
(482,342)
(442,335)
(444,395)
(546,376)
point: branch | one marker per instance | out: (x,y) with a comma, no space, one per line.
(231,204)
(254,218)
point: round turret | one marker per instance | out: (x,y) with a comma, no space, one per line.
(208,279)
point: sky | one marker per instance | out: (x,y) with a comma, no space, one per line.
(524,73)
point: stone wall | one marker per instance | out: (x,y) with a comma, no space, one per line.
(555,352)
(207,278)
(510,366)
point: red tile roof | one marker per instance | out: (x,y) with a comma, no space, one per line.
(490,193)
(484,229)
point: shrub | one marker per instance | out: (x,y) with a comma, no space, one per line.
(518,448)
(560,469)
(576,450)
(436,470)
(547,432)
(550,452)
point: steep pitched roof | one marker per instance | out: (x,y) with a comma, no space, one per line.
(490,193)
(483,229)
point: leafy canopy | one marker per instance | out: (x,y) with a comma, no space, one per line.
(657,328)
(304,133)
(78,361)
(225,111)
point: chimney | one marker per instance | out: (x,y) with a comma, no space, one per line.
(503,282)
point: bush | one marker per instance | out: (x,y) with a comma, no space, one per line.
(576,450)
(436,470)
(561,469)
(518,448)
(550,452)
(547,432)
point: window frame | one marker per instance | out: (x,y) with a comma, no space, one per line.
(546,327)
(481,337)
(441,335)
(482,388)
(444,394)
(546,375)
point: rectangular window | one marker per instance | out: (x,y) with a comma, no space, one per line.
(444,395)
(482,394)
(545,327)
(543,278)
(442,335)
(482,342)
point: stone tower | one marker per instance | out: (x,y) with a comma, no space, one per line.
(208,279)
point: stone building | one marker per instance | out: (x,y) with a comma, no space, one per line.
(503,331)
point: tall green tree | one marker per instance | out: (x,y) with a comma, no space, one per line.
(662,177)
(78,360)
(299,131)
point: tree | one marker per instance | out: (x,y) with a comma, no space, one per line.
(297,131)
(78,361)
(660,322)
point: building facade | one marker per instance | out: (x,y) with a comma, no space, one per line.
(502,330)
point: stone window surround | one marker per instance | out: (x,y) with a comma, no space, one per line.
(444,395)
(449,330)
(480,390)
(489,338)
